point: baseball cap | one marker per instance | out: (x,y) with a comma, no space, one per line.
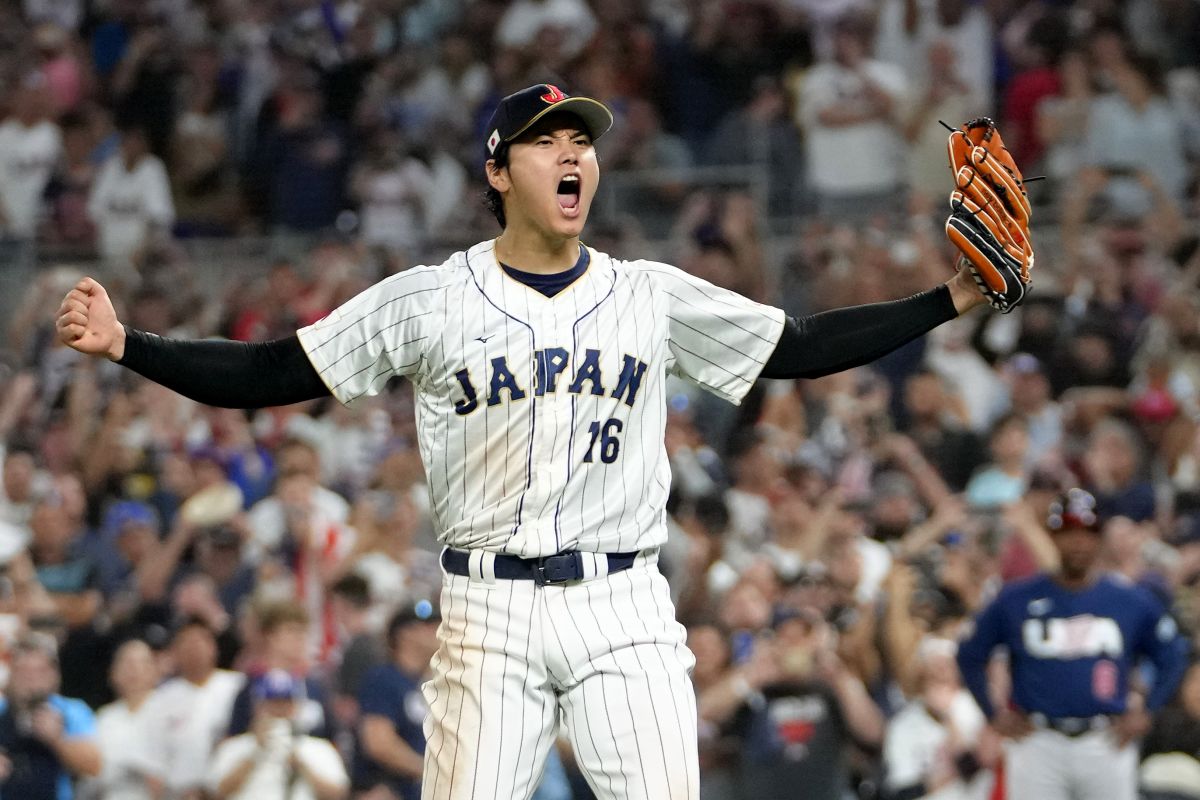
(781,615)
(1074,509)
(521,109)
(277,684)
(129,512)
(1155,405)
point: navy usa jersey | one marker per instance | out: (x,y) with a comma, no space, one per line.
(1071,652)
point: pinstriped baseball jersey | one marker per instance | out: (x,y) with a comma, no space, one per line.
(541,419)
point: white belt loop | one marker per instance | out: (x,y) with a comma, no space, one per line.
(487,566)
(475,565)
(595,565)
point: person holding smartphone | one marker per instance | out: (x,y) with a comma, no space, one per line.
(273,759)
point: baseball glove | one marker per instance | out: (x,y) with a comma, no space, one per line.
(989,214)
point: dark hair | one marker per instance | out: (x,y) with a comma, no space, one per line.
(273,616)
(73,120)
(712,513)
(354,589)
(742,441)
(422,612)
(191,621)
(1151,71)
(492,198)
(36,644)
(1007,420)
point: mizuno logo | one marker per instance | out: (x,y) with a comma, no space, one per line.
(483,339)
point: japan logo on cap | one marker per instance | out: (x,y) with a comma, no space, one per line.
(493,141)
(554,95)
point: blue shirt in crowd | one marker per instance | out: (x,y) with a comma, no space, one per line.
(37,773)
(388,692)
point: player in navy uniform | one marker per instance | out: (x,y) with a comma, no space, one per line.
(1073,639)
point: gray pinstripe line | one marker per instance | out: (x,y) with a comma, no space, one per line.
(441,723)
(714,339)
(487,612)
(675,698)
(524,684)
(462,674)
(375,310)
(708,312)
(625,682)
(467,422)
(641,417)
(610,650)
(375,335)
(654,708)
(587,587)
(571,438)
(741,378)
(532,401)
(549,502)
(360,299)
(428,760)
(386,373)
(573,735)
(504,685)
(374,362)
(542,731)
(444,667)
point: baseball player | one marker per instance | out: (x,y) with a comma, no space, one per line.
(1073,639)
(539,367)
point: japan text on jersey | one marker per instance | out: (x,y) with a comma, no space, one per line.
(541,420)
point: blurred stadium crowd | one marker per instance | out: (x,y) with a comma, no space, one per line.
(177,580)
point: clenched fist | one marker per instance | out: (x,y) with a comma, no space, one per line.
(88,323)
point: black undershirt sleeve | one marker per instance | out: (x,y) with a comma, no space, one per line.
(224,373)
(832,341)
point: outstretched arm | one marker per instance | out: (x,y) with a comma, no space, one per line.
(837,340)
(214,372)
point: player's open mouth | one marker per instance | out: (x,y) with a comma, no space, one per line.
(568,195)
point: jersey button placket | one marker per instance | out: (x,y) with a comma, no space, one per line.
(544,409)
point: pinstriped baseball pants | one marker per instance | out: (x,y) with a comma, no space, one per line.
(603,658)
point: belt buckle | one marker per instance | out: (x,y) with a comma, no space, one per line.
(1073,726)
(557,569)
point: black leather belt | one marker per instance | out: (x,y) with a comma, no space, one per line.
(1072,726)
(545,571)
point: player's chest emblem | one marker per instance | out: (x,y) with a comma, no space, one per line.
(1040,607)
(1082,636)
(550,369)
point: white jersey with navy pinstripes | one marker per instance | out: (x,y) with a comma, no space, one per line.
(541,419)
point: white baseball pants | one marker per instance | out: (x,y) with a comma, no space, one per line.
(1047,765)
(604,657)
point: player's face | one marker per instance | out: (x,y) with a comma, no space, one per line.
(551,177)
(1077,550)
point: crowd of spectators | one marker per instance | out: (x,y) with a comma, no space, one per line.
(202,602)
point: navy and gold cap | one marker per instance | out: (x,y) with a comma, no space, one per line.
(521,109)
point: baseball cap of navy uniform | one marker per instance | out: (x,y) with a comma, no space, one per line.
(521,109)
(277,684)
